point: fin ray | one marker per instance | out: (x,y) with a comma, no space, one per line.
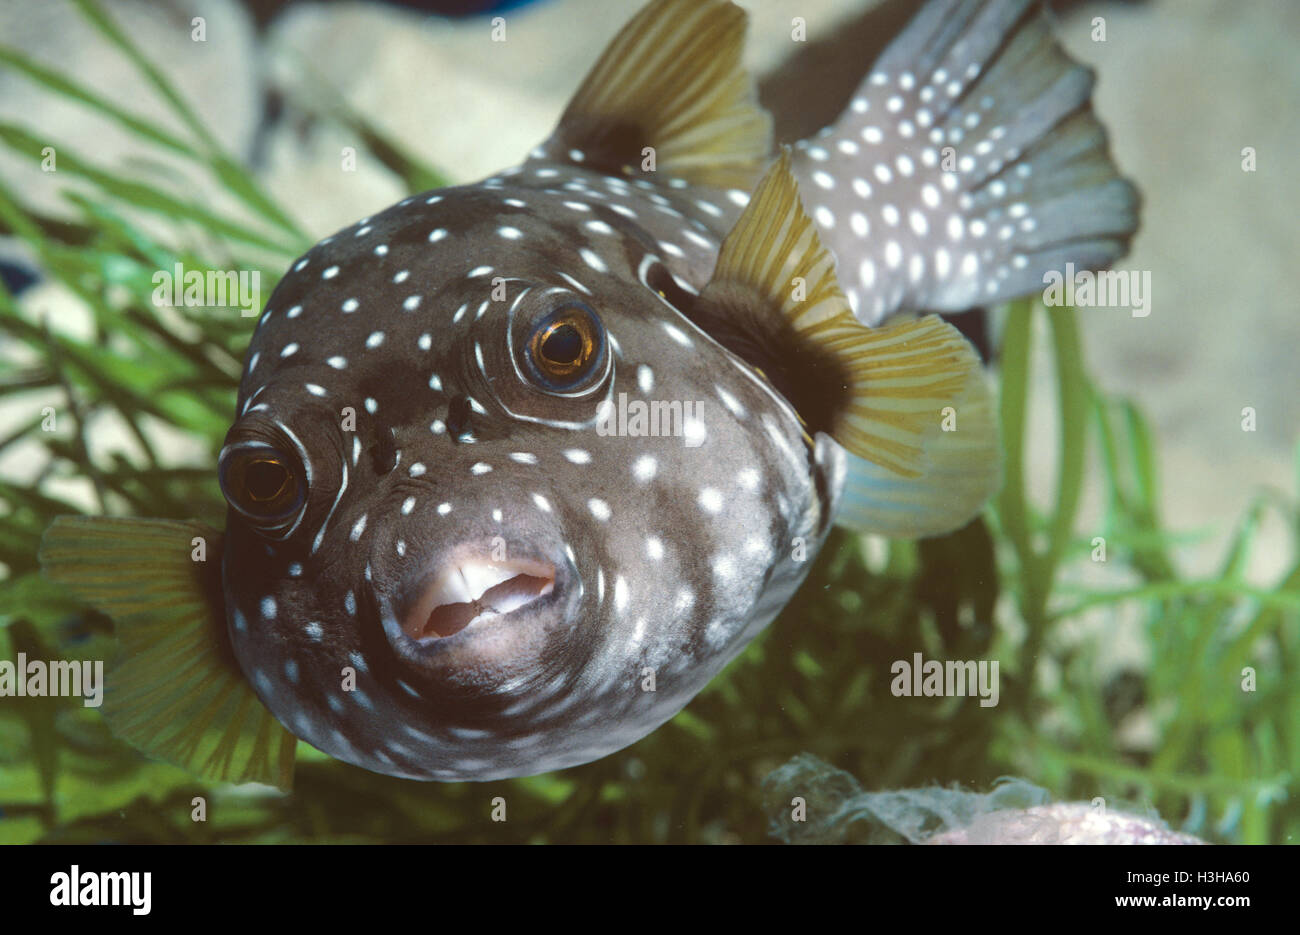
(908,402)
(175,692)
(672,79)
(968,165)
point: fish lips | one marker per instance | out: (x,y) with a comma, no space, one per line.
(469,603)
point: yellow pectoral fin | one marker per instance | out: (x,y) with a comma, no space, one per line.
(175,692)
(908,402)
(922,435)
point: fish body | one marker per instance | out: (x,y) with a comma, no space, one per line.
(458,549)
(666,552)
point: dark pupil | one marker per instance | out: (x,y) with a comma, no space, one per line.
(563,345)
(264,480)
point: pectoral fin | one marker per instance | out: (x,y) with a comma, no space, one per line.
(175,692)
(908,402)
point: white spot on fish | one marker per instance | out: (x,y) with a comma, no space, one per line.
(593,260)
(677,334)
(730,402)
(644,468)
(710,500)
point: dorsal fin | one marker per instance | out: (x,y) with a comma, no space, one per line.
(672,79)
(176,691)
(908,401)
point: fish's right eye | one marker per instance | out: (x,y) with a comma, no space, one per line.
(261,483)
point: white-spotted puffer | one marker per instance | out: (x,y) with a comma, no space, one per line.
(457,548)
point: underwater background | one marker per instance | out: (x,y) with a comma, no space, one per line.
(1137,579)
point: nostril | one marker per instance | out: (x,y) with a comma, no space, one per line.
(459,418)
(383,453)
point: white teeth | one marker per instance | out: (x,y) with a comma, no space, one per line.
(482,588)
(478,577)
(509,602)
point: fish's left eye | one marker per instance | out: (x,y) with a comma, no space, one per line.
(566,347)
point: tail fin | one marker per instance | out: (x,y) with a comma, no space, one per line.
(968,164)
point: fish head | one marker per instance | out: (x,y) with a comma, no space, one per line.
(497,505)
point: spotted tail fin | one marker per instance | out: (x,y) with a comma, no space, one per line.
(968,164)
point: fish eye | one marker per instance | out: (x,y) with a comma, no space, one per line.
(566,347)
(261,483)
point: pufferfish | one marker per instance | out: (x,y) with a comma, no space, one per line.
(468,536)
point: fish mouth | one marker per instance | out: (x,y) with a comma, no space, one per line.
(475,591)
